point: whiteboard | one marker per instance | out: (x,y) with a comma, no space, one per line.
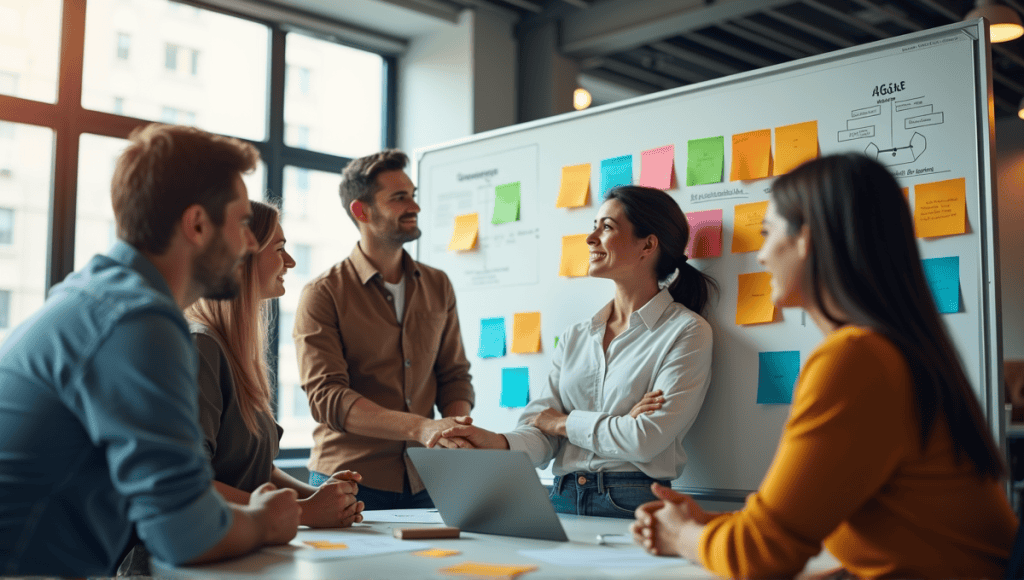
(920,103)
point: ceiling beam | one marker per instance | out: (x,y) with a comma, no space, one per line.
(615,26)
(629,71)
(891,14)
(810,29)
(847,18)
(765,42)
(726,48)
(778,36)
(694,58)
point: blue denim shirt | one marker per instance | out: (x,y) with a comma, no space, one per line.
(99,427)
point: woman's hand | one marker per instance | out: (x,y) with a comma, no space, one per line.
(334,504)
(550,422)
(670,526)
(650,403)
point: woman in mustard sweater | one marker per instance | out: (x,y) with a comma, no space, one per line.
(886,459)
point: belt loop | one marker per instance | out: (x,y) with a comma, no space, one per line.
(559,484)
(600,482)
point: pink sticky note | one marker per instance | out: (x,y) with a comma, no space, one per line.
(705,234)
(656,167)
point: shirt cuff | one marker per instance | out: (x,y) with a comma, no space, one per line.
(458,391)
(581,428)
(182,536)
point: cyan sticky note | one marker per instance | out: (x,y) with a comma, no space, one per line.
(492,337)
(943,275)
(515,387)
(776,375)
(616,171)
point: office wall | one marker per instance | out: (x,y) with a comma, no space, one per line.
(1010,173)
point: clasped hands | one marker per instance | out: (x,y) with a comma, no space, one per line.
(670,525)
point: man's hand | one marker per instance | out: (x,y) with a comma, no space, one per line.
(334,504)
(550,422)
(430,431)
(276,513)
(650,403)
(467,436)
(671,525)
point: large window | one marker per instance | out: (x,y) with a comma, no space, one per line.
(155,60)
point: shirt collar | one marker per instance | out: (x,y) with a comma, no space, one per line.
(125,253)
(649,313)
(366,270)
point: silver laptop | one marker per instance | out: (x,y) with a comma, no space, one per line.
(490,491)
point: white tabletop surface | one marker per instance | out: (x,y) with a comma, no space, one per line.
(483,548)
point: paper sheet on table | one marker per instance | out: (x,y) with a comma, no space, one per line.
(403,516)
(481,570)
(357,545)
(602,558)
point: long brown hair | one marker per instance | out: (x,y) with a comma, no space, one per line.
(864,256)
(241,325)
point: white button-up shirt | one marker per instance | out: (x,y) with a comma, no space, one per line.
(667,346)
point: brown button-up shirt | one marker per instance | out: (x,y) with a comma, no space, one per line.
(350,345)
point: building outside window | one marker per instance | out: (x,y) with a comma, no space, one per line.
(171,57)
(5,309)
(124,46)
(6,226)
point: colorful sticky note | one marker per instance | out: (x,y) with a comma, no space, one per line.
(656,167)
(795,144)
(776,376)
(751,155)
(705,160)
(943,275)
(705,234)
(556,342)
(506,203)
(464,234)
(515,387)
(526,332)
(575,256)
(940,208)
(436,553)
(575,186)
(487,570)
(754,300)
(746,226)
(325,545)
(616,171)
(492,337)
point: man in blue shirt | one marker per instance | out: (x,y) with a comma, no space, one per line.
(98,395)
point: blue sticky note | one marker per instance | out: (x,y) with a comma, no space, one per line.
(943,275)
(776,375)
(515,387)
(492,337)
(616,171)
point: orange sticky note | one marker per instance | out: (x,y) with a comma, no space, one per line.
(751,154)
(575,186)
(940,208)
(464,235)
(326,545)
(487,570)
(754,302)
(575,256)
(656,167)
(795,144)
(436,553)
(526,332)
(746,226)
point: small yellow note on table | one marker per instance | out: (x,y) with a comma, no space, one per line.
(464,235)
(795,144)
(575,256)
(746,226)
(940,208)
(754,302)
(526,332)
(751,155)
(326,545)
(436,553)
(575,186)
(487,570)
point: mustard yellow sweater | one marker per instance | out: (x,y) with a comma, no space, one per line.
(849,473)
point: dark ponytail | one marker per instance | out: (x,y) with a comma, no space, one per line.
(654,212)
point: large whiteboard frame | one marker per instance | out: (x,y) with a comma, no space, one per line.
(728,454)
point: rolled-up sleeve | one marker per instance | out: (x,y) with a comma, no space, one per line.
(323,370)
(452,366)
(138,400)
(539,447)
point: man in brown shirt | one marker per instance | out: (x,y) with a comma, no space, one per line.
(379,346)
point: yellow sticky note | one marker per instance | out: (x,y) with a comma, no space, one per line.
(940,208)
(746,226)
(751,155)
(487,570)
(795,144)
(575,256)
(754,302)
(464,234)
(436,553)
(526,332)
(575,186)
(326,545)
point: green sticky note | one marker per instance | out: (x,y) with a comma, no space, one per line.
(705,160)
(506,203)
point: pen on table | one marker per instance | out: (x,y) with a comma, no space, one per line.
(608,539)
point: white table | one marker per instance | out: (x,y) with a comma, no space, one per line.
(503,550)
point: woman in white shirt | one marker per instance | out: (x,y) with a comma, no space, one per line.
(626,385)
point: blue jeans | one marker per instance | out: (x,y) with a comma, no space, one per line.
(375,499)
(609,495)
